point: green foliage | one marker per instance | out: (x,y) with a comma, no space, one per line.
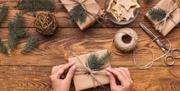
(96,63)
(30,45)
(78,13)
(3,13)
(157,14)
(3,48)
(16,31)
(36,5)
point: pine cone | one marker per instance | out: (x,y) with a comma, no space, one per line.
(45,23)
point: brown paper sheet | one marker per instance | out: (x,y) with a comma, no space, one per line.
(165,5)
(84,81)
(91,6)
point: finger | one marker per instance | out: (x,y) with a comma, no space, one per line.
(112,80)
(123,73)
(118,75)
(127,72)
(70,74)
(58,67)
(55,69)
(62,69)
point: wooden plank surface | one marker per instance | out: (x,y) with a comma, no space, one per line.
(31,72)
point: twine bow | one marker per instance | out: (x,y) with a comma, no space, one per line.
(84,69)
(167,17)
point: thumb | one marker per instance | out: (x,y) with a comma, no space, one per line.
(112,80)
(70,74)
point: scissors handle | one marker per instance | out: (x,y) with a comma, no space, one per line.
(169,60)
(174,52)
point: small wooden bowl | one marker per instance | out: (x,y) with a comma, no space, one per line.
(110,17)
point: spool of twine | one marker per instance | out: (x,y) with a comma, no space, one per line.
(125,39)
(45,23)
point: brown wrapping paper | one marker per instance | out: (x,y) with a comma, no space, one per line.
(90,5)
(169,25)
(84,81)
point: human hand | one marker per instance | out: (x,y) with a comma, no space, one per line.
(123,76)
(60,82)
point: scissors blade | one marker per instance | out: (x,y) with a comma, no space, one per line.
(148,31)
(154,37)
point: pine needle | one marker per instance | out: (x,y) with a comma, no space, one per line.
(96,63)
(13,40)
(36,5)
(3,48)
(3,13)
(30,45)
(16,31)
(157,14)
(78,13)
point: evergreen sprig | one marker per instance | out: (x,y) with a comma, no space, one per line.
(30,45)
(3,48)
(36,5)
(16,31)
(3,13)
(157,14)
(78,13)
(96,63)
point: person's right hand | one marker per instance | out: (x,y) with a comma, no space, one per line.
(123,75)
(60,80)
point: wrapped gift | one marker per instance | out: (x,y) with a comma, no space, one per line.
(85,77)
(91,7)
(171,18)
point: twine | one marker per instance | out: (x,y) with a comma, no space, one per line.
(120,44)
(150,64)
(168,16)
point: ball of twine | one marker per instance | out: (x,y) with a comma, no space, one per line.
(125,39)
(45,23)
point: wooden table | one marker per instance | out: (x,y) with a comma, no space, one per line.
(31,72)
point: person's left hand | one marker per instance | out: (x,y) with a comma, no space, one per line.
(62,84)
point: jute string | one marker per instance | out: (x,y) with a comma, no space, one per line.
(153,60)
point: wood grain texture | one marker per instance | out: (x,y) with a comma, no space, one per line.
(31,72)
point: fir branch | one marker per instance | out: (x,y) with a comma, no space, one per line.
(3,48)
(157,14)
(16,31)
(78,13)
(96,63)
(13,40)
(3,13)
(30,45)
(36,5)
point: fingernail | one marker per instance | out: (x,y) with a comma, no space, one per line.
(107,73)
(73,67)
(108,68)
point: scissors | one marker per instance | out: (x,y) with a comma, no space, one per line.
(170,58)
